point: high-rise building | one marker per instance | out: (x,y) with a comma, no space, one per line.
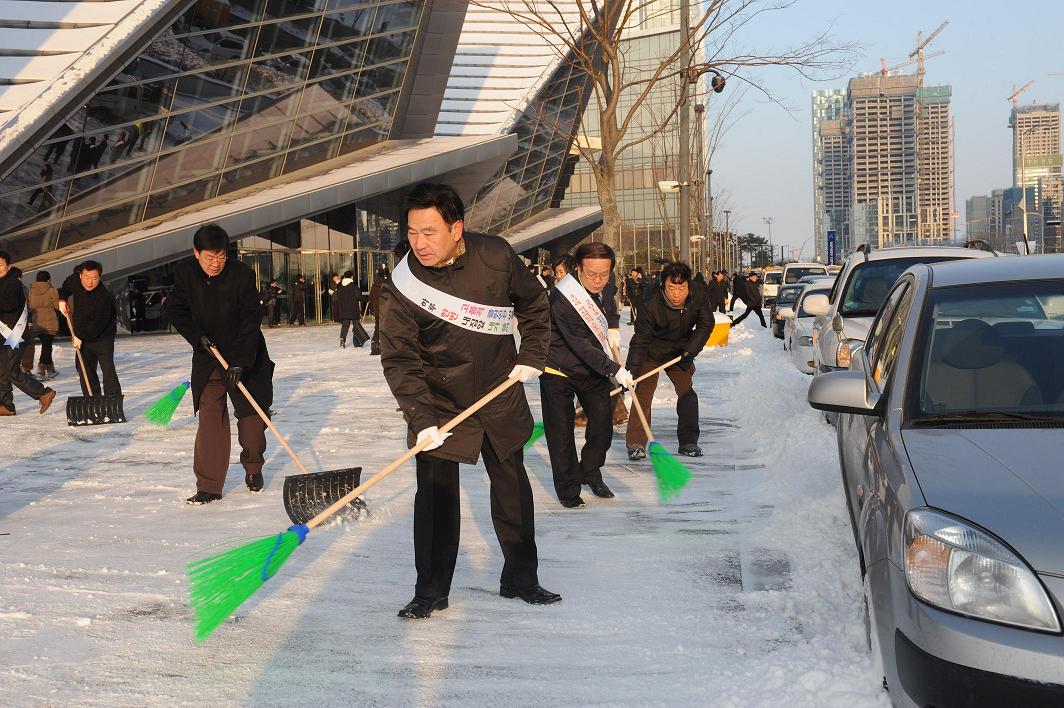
(832,188)
(977,218)
(1035,136)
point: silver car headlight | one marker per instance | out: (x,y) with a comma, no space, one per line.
(805,341)
(955,566)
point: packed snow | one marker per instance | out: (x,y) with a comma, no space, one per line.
(744,591)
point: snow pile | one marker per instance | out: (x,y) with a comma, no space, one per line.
(743,592)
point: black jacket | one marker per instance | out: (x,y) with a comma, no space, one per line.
(94,313)
(717,292)
(662,333)
(752,293)
(12,300)
(299,290)
(436,369)
(634,290)
(225,308)
(347,302)
(574,350)
(609,303)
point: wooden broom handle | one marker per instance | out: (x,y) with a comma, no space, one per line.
(647,375)
(642,418)
(350,496)
(265,418)
(77,351)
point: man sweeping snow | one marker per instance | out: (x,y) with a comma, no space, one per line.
(446,330)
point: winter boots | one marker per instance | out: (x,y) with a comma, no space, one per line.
(46,372)
(46,399)
(422,607)
(254,482)
(202,498)
(343,342)
(690,450)
(375,348)
(637,452)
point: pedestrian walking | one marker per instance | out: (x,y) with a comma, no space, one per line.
(738,288)
(298,300)
(328,297)
(634,289)
(214,304)
(43,303)
(26,351)
(268,297)
(374,309)
(752,299)
(14,319)
(677,322)
(94,315)
(579,364)
(347,301)
(718,292)
(438,363)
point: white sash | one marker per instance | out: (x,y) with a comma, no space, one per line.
(588,310)
(13,337)
(489,319)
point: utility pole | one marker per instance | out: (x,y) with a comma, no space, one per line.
(709,219)
(685,134)
(1023,189)
(727,230)
(771,249)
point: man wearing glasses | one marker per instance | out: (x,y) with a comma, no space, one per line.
(215,304)
(579,364)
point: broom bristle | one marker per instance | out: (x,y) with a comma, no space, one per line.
(671,473)
(219,584)
(537,433)
(162,410)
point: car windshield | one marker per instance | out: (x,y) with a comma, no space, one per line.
(796,274)
(802,312)
(871,281)
(773,278)
(994,349)
(788,295)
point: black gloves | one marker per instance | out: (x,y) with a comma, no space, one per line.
(206,344)
(686,359)
(233,375)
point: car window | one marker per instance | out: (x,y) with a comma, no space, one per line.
(796,274)
(773,278)
(788,295)
(876,333)
(869,283)
(886,353)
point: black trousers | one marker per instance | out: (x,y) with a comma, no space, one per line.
(735,299)
(751,308)
(299,311)
(46,348)
(345,327)
(557,394)
(102,353)
(273,315)
(11,374)
(718,307)
(633,312)
(686,404)
(437,521)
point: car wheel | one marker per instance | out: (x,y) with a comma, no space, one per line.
(872,636)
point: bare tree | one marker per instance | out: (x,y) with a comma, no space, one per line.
(592,35)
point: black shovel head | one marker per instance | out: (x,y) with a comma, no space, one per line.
(359,334)
(95,410)
(307,495)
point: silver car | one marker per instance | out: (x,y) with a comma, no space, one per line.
(951,434)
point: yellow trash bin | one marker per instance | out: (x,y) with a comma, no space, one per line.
(721,328)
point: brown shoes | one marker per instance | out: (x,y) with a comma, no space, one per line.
(46,399)
(4,410)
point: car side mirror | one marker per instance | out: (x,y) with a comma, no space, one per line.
(816,304)
(843,392)
(785,312)
(836,324)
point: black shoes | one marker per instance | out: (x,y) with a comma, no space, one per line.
(573,503)
(254,482)
(202,498)
(690,450)
(637,452)
(343,343)
(599,489)
(534,595)
(422,607)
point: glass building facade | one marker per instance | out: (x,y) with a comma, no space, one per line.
(232,94)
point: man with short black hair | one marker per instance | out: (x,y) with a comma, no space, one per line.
(14,319)
(752,299)
(675,322)
(214,304)
(718,292)
(446,323)
(297,300)
(94,315)
(634,290)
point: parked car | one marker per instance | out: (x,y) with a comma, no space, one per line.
(951,421)
(787,296)
(798,327)
(793,272)
(771,280)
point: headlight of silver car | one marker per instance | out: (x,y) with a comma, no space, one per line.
(805,341)
(958,567)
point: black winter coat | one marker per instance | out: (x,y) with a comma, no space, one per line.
(12,300)
(662,333)
(752,294)
(718,292)
(436,369)
(225,308)
(299,290)
(574,350)
(94,313)
(347,302)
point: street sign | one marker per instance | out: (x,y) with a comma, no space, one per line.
(831,248)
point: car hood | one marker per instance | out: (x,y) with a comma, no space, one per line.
(856,327)
(1009,481)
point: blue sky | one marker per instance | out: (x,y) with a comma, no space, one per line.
(764,163)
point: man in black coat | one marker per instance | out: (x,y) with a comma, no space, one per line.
(579,364)
(438,362)
(268,297)
(633,286)
(677,322)
(214,304)
(347,305)
(92,309)
(718,292)
(298,300)
(752,298)
(12,337)
(738,290)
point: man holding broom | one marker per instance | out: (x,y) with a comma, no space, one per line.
(447,319)
(215,304)
(675,321)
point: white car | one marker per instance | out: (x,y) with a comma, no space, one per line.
(798,327)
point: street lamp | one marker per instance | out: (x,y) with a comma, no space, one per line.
(1023,190)
(771,249)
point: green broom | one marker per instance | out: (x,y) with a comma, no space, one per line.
(219,584)
(537,433)
(162,410)
(671,473)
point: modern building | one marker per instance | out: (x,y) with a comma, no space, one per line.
(977,219)
(832,183)
(1035,143)
(297,126)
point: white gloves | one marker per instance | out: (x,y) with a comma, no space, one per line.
(624,378)
(76,341)
(433,434)
(524,373)
(613,336)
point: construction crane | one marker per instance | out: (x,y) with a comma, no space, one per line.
(918,53)
(884,69)
(1015,97)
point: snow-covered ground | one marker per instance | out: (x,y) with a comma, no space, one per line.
(742,592)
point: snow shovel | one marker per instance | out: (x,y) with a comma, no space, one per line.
(91,409)
(359,335)
(306,494)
